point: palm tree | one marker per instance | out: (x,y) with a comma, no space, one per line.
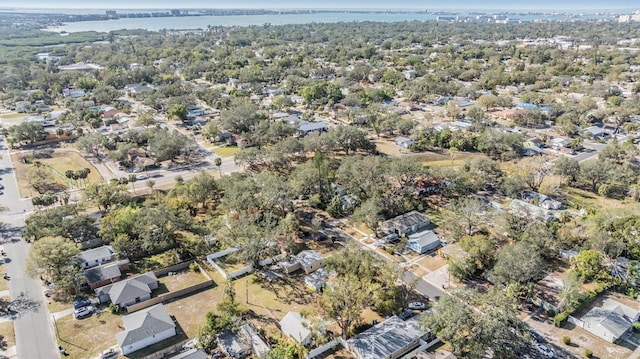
(218,163)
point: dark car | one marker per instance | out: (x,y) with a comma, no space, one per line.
(406,314)
(81,303)
(536,336)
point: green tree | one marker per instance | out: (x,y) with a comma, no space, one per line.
(477,324)
(344,301)
(105,196)
(178,111)
(55,259)
(589,264)
(519,263)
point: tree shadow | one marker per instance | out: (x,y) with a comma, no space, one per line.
(23,304)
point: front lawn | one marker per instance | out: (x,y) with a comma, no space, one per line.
(86,338)
(225,151)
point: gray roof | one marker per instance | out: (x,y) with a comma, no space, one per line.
(96,253)
(305,126)
(191,354)
(614,317)
(386,338)
(103,272)
(406,220)
(307,257)
(234,344)
(128,289)
(295,326)
(424,238)
(144,324)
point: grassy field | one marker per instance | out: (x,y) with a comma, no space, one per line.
(181,280)
(88,337)
(56,165)
(225,151)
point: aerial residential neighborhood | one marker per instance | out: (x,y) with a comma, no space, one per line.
(362,184)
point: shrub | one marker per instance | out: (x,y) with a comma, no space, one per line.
(566,340)
(588,353)
(551,313)
(114,309)
(636,327)
(194,267)
(560,318)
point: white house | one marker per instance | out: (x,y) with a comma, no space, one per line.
(307,260)
(144,328)
(295,327)
(95,257)
(423,242)
(404,142)
(610,321)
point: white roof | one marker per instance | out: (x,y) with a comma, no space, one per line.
(295,326)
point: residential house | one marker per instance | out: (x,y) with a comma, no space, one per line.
(610,321)
(559,143)
(531,151)
(392,338)
(316,280)
(527,209)
(195,353)
(404,142)
(235,345)
(307,260)
(105,274)
(594,132)
(423,242)
(73,93)
(542,200)
(295,327)
(259,346)
(144,328)
(306,128)
(406,223)
(137,88)
(95,257)
(129,291)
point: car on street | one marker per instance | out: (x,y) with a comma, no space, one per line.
(536,336)
(81,303)
(141,177)
(417,306)
(545,350)
(1,186)
(83,312)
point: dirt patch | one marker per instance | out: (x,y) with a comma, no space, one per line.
(418,271)
(181,280)
(7,334)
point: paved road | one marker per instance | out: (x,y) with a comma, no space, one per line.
(33,330)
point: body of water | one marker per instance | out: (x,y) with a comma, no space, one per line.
(202,22)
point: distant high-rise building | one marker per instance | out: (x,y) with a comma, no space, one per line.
(635,17)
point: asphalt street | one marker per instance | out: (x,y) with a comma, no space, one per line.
(33,329)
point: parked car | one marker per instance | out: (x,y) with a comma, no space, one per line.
(406,314)
(417,305)
(81,303)
(141,177)
(110,353)
(545,350)
(537,337)
(83,312)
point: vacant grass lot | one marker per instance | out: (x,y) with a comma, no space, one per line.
(226,151)
(60,162)
(86,338)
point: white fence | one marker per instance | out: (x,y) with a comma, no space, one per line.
(242,271)
(323,348)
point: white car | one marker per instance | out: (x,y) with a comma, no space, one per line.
(83,312)
(110,353)
(417,305)
(545,350)
(141,177)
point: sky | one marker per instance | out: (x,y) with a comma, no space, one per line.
(315,4)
